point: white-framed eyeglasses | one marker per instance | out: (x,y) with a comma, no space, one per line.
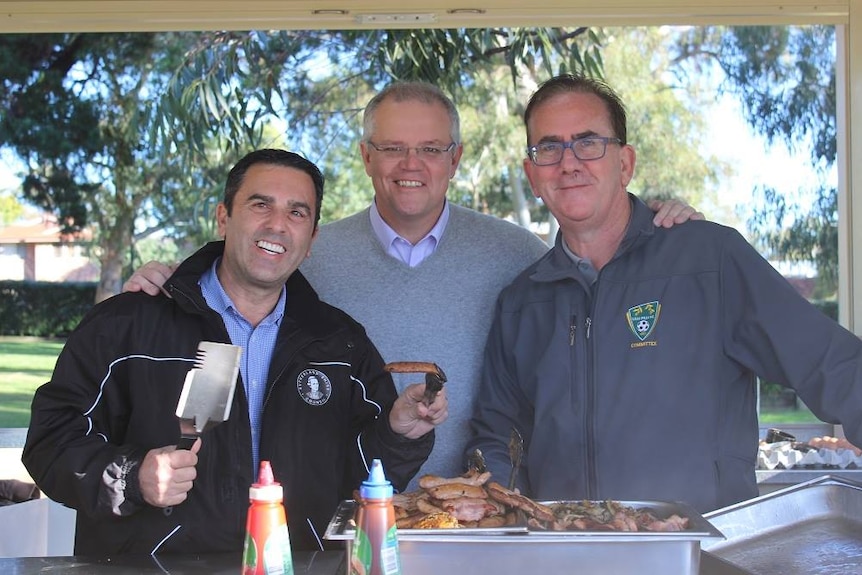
(585,149)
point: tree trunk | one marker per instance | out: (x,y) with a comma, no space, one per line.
(111,275)
(115,244)
(522,210)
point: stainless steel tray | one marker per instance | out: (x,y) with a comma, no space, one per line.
(813,528)
(341,527)
(516,550)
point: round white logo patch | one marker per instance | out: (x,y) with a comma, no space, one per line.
(314,387)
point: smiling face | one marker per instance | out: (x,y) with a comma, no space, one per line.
(269,230)
(409,191)
(580,194)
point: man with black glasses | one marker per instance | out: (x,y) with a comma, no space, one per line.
(627,356)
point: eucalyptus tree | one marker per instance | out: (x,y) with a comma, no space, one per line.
(785,76)
(666,119)
(78,113)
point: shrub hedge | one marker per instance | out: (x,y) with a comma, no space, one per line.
(43,309)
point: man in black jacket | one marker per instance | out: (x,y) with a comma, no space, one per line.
(103,430)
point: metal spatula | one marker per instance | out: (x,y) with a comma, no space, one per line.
(208,390)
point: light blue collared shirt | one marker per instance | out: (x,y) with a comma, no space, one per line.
(401,249)
(257,345)
(584,265)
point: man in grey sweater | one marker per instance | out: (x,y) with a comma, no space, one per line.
(420,273)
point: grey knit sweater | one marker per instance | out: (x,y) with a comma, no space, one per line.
(440,310)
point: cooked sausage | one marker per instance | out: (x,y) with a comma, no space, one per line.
(455,490)
(412,367)
(525,504)
(429,481)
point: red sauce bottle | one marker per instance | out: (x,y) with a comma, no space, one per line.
(375,545)
(267,543)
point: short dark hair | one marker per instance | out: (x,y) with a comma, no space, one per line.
(574,83)
(274,157)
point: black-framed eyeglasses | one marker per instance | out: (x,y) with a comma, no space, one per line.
(427,153)
(585,149)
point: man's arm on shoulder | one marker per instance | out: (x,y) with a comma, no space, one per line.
(149,278)
(672,212)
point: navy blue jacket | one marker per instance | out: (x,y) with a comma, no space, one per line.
(643,387)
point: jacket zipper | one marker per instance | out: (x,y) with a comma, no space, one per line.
(572,327)
(592,492)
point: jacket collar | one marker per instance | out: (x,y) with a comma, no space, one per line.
(557,265)
(303,306)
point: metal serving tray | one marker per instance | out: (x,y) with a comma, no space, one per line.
(516,550)
(813,528)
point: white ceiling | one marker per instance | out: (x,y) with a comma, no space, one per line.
(152,15)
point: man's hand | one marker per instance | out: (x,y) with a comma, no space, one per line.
(412,418)
(149,278)
(672,212)
(167,474)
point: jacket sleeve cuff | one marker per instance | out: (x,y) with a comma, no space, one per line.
(121,489)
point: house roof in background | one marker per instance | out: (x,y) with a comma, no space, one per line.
(39,230)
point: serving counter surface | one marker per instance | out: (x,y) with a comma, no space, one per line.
(320,563)
(308,563)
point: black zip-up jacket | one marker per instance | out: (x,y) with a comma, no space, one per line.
(113,397)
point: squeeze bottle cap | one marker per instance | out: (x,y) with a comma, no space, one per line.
(266,488)
(376,486)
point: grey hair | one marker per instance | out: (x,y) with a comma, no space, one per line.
(411,91)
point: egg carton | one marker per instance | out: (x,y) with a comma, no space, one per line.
(782,455)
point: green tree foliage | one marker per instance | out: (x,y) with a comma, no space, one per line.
(77,111)
(10,208)
(666,121)
(451,57)
(785,77)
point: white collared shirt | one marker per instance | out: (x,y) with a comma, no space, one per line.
(401,249)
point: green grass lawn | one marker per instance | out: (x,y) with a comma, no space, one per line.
(801,415)
(25,364)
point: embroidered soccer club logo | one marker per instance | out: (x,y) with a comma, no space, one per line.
(314,387)
(643,318)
